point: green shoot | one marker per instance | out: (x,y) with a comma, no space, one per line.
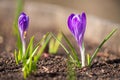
(68,53)
(73,56)
(99,47)
(73,51)
(54,44)
(32,55)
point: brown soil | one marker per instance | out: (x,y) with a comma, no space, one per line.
(105,67)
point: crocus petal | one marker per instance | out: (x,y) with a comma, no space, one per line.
(76,24)
(70,25)
(82,28)
(84,20)
(23,22)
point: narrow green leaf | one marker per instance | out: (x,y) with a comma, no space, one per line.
(105,39)
(88,59)
(30,64)
(74,53)
(25,74)
(42,39)
(16,56)
(40,51)
(51,45)
(63,47)
(29,60)
(29,48)
(19,56)
(56,46)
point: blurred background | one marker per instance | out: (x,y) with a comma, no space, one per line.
(51,15)
(107,9)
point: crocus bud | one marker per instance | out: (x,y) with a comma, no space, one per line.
(23,22)
(77,26)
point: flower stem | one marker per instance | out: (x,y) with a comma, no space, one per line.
(82,50)
(23,46)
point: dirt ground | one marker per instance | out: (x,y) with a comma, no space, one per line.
(106,66)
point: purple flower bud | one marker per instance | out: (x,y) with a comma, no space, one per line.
(23,22)
(77,25)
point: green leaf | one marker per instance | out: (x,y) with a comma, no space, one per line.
(99,47)
(73,51)
(19,56)
(88,59)
(56,46)
(62,46)
(29,64)
(51,45)
(29,48)
(27,68)
(42,39)
(31,56)
(41,48)
(16,56)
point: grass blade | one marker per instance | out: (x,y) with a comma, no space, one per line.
(74,53)
(30,47)
(54,44)
(42,47)
(51,45)
(59,37)
(63,47)
(88,59)
(105,39)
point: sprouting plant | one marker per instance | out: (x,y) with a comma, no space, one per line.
(54,44)
(28,55)
(23,23)
(77,26)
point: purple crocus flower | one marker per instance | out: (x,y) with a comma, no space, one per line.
(77,26)
(23,22)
